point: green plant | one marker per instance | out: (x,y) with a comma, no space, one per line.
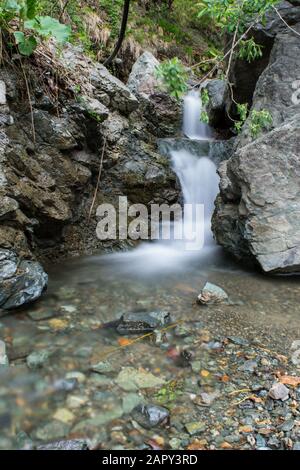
(260,120)
(174,77)
(250,50)
(205,97)
(169,393)
(20,18)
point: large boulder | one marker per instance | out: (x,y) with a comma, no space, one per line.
(163,113)
(257,216)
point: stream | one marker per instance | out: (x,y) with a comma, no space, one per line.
(72,376)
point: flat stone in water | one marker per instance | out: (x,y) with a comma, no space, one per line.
(52,430)
(38,359)
(75,444)
(142,322)
(248,366)
(130,379)
(195,427)
(150,416)
(102,367)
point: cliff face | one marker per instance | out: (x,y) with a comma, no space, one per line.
(257,215)
(50,158)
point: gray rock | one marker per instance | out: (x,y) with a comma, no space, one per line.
(212,294)
(94,108)
(20,282)
(38,359)
(248,366)
(52,430)
(102,367)
(150,416)
(279,391)
(131,401)
(296,445)
(217,90)
(2,93)
(57,131)
(142,322)
(74,444)
(142,80)
(131,379)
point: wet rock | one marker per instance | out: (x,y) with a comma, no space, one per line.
(64,415)
(248,366)
(79,376)
(131,379)
(195,427)
(2,93)
(150,416)
(21,282)
(65,384)
(142,322)
(130,401)
(38,359)
(217,91)
(52,430)
(288,425)
(103,367)
(209,398)
(212,294)
(23,441)
(94,109)
(3,357)
(74,444)
(279,391)
(76,401)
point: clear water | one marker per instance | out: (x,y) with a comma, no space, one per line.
(193,128)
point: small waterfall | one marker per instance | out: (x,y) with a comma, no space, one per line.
(193,128)
(199,183)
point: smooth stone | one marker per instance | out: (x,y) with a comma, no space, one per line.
(248,366)
(38,359)
(74,444)
(212,294)
(76,401)
(142,322)
(64,415)
(79,376)
(279,391)
(130,401)
(102,367)
(150,416)
(52,430)
(130,379)
(195,427)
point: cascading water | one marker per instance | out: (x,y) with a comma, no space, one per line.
(199,183)
(193,128)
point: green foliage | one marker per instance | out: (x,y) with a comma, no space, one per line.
(169,393)
(174,77)
(19,17)
(204,117)
(250,50)
(113,9)
(230,15)
(205,97)
(242,110)
(260,120)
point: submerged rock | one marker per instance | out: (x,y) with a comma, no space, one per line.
(131,379)
(3,357)
(74,444)
(142,322)
(21,282)
(212,294)
(150,416)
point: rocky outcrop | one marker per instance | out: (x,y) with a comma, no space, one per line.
(257,216)
(49,165)
(162,112)
(244,75)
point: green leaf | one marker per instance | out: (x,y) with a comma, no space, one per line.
(19,36)
(31,8)
(46,26)
(27,46)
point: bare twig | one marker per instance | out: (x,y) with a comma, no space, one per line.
(283,20)
(98,180)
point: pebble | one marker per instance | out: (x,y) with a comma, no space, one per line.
(279,391)
(52,430)
(103,367)
(64,415)
(248,366)
(79,376)
(150,416)
(3,357)
(76,401)
(130,401)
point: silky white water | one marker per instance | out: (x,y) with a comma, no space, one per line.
(193,127)
(199,183)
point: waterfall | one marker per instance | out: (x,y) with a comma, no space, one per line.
(199,183)
(193,128)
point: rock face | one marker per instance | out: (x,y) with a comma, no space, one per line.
(162,112)
(49,164)
(244,75)
(257,216)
